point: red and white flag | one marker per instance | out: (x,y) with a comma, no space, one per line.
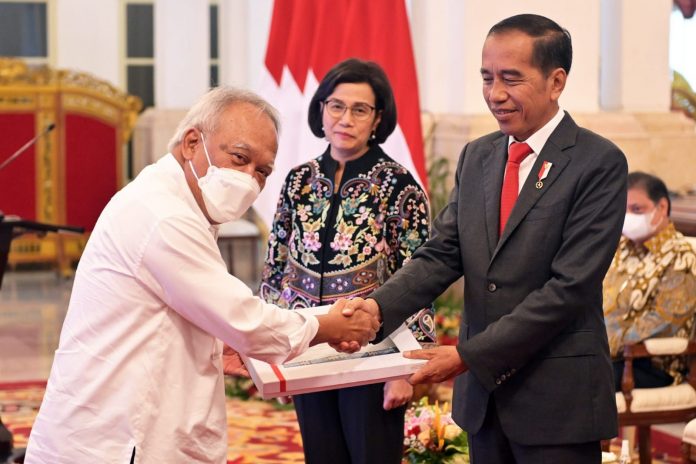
(306,39)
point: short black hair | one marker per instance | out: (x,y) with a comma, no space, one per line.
(653,186)
(355,71)
(553,47)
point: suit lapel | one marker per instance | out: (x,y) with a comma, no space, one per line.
(563,137)
(493,172)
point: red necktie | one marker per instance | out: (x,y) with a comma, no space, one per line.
(517,152)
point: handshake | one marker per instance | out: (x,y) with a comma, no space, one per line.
(349,324)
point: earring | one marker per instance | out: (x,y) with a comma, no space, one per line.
(373,136)
(323,132)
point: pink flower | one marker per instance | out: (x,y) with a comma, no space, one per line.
(371,239)
(341,242)
(311,241)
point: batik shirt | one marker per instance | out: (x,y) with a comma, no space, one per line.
(649,292)
(328,243)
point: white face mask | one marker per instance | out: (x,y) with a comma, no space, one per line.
(227,193)
(638,227)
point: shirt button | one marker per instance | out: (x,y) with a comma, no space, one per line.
(498,381)
(492,287)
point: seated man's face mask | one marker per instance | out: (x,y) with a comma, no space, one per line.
(227,193)
(638,227)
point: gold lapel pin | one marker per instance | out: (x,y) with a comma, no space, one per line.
(543,172)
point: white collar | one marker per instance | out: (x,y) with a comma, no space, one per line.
(538,139)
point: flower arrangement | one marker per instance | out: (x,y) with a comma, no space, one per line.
(448,310)
(432,437)
(240,387)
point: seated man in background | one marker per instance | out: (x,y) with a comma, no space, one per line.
(650,288)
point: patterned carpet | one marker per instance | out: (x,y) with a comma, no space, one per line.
(259,433)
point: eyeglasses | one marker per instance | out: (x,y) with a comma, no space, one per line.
(359,111)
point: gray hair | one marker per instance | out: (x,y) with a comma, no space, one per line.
(205,113)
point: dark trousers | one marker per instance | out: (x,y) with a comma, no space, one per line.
(491,446)
(645,375)
(350,426)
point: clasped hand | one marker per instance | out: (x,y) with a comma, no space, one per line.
(356,307)
(349,330)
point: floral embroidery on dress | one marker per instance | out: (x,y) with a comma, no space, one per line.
(324,245)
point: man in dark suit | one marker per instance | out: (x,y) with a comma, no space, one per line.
(534,381)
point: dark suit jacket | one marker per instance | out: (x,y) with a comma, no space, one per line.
(532,331)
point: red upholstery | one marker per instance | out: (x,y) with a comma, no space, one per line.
(18,179)
(91,168)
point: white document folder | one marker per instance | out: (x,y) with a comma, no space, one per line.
(323,368)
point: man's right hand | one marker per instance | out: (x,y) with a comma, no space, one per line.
(349,331)
(369,306)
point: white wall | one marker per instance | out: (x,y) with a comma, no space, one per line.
(635,74)
(88,37)
(182,52)
(233,31)
(439,44)
(244,28)
(260,13)
(682,52)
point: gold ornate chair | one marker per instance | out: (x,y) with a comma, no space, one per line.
(70,173)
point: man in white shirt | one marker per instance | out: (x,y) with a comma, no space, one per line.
(138,374)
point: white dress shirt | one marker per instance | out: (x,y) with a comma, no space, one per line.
(139,359)
(536,142)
